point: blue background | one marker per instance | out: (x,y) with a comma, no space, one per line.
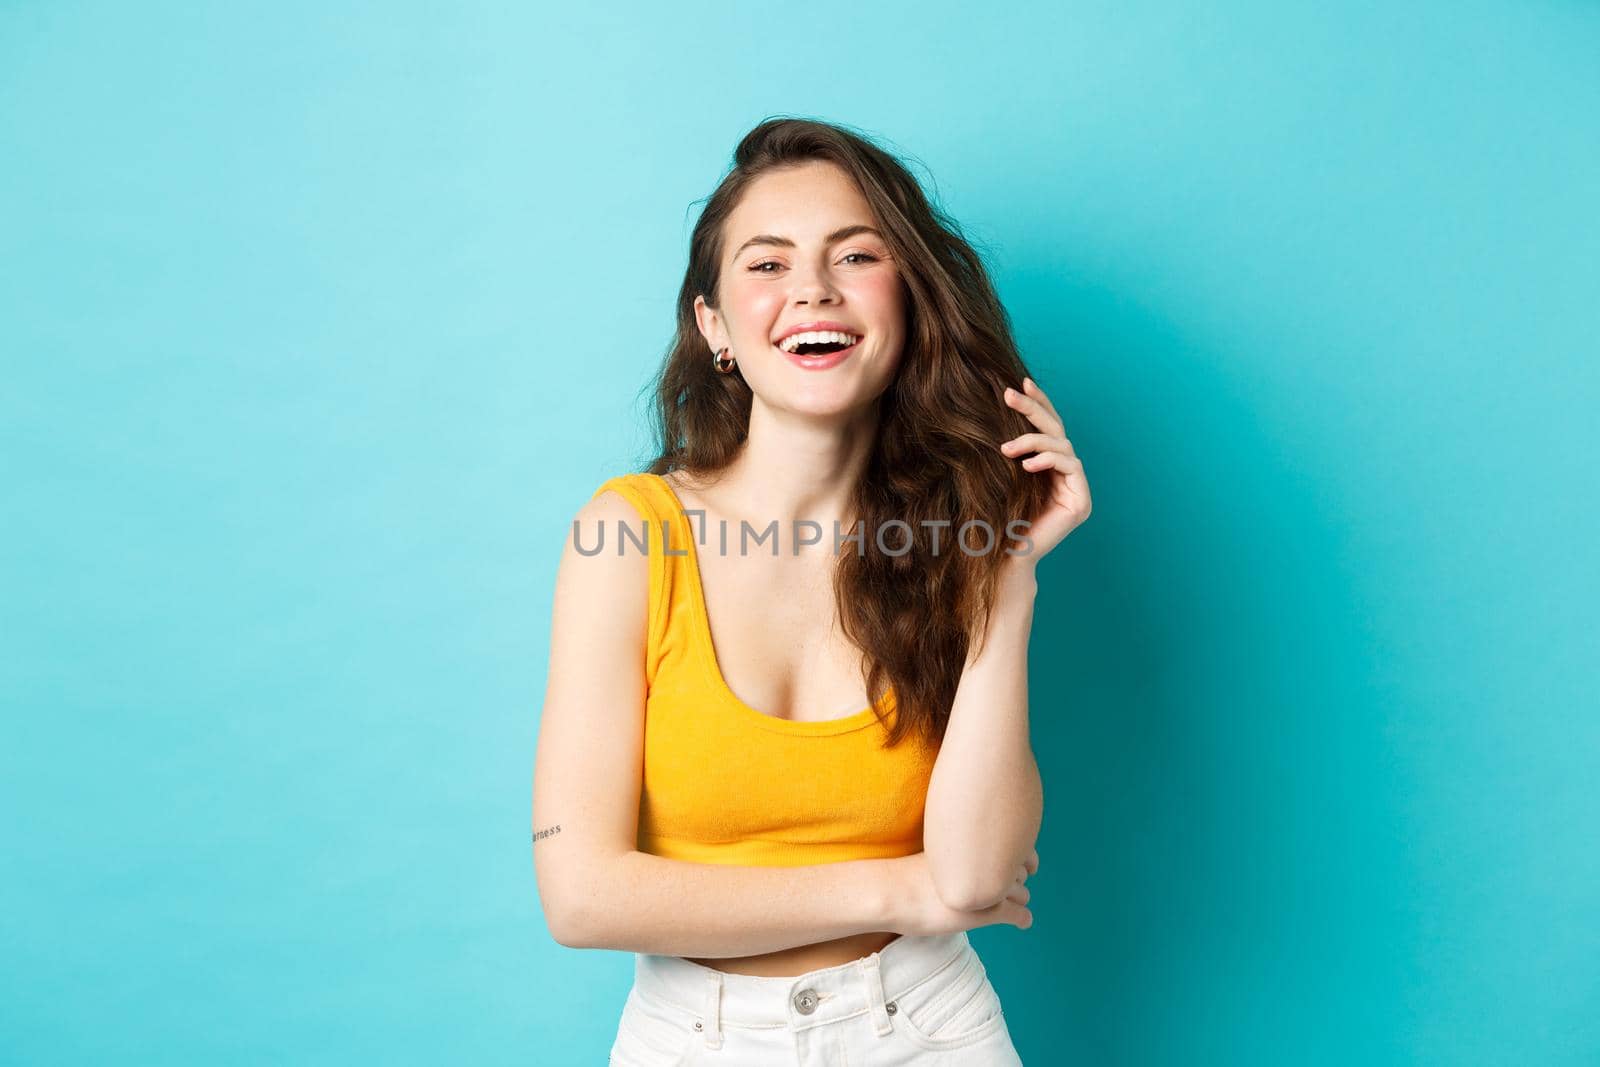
(319,321)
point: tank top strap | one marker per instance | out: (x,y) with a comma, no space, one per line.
(655,503)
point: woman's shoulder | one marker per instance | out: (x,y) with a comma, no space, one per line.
(655,495)
(626,480)
(611,516)
(616,496)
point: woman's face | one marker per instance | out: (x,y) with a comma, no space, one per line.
(802,247)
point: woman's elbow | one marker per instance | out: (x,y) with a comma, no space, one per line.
(572,924)
(966,889)
(569,911)
(569,934)
(972,895)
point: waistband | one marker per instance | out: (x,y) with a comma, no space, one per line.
(817,997)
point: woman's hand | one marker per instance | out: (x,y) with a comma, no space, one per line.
(918,908)
(1048,452)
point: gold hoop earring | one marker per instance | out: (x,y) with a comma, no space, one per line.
(722,361)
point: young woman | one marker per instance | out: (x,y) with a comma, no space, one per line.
(784,751)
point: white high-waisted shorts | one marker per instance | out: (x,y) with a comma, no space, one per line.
(919,1000)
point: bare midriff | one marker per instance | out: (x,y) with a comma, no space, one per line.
(786,963)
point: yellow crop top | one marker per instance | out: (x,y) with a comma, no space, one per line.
(725,783)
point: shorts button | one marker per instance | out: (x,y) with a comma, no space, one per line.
(805,1001)
(890,1008)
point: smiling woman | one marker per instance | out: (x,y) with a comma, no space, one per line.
(790,783)
(857,329)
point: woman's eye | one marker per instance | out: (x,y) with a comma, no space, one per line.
(760,268)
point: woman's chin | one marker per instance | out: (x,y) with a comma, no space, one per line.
(833,405)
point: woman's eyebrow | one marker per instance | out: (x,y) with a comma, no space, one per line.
(837,235)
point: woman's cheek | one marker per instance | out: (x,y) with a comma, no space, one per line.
(883,291)
(758,306)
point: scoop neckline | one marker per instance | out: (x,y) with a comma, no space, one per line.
(702,624)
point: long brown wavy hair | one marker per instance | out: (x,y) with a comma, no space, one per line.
(941,420)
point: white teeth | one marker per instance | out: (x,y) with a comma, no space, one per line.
(817,337)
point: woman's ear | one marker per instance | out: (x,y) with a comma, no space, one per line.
(710,323)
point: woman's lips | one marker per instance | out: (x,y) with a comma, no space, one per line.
(819,362)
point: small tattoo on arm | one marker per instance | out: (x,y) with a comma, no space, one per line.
(556,829)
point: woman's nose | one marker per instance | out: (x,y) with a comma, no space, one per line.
(814,289)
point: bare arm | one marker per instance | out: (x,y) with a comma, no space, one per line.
(597,890)
(644,903)
(986,798)
(716,911)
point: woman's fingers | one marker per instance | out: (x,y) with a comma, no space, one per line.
(1037,413)
(1031,388)
(1012,909)
(1037,442)
(1061,461)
